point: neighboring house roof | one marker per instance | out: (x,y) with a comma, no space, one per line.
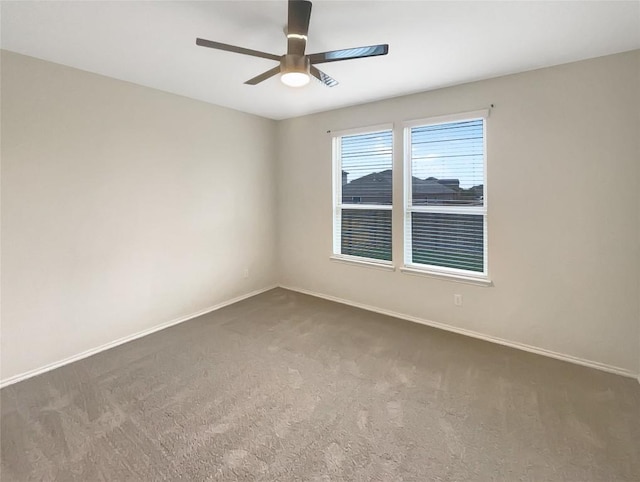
(430,186)
(381,183)
(376,181)
(377,187)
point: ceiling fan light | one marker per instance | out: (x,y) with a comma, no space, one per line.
(297,36)
(295,79)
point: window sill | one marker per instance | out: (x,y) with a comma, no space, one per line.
(456,278)
(367,264)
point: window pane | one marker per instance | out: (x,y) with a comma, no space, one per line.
(367,161)
(448,240)
(447,164)
(366,233)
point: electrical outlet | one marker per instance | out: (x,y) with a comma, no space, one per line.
(457,300)
(245,273)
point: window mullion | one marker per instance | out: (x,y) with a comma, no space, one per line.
(479,210)
(373,207)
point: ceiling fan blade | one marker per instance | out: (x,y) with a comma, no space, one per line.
(298,26)
(346,54)
(263,76)
(322,77)
(232,48)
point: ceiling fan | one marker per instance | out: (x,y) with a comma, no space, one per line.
(296,67)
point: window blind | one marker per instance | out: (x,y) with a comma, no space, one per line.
(364,195)
(447,163)
(448,240)
(366,233)
(446,212)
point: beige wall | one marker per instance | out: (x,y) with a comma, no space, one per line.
(122,208)
(563,187)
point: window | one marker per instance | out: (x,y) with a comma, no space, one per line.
(445,195)
(363,194)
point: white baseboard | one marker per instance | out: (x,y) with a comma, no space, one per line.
(500,341)
(434,324)
(120,341)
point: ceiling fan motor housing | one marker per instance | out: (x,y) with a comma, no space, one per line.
(295,63)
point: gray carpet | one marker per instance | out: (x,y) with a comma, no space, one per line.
(285,386)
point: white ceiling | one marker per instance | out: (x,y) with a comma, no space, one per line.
(431,44)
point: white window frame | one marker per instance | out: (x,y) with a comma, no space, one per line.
(338,205)
(408,208)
